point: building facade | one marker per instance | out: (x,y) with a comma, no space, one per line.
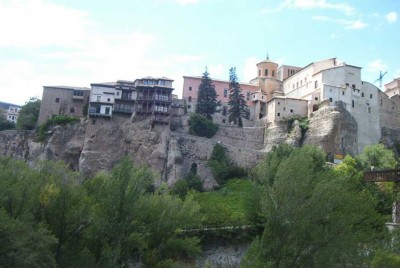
(10,111)
(63,100)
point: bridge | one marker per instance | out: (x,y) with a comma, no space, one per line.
(392,175)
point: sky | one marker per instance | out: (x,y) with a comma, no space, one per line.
(79,42)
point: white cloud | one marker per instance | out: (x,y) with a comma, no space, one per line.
(391,17)
(349,24)
(37,23)
(376,66)
(81,54)
(249,69)
(216,71)
(356,25)
(318,4)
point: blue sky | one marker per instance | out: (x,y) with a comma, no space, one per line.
(78,42)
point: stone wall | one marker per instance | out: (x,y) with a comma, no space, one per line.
(247,137)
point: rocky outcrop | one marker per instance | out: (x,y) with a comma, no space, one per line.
(281,132)
(222,255)
(334,130)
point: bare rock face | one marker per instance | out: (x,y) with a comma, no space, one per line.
(65,144)
(334,130)
(280,133)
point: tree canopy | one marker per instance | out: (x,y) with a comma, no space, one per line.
(237,103)
(207,103)
(29,114)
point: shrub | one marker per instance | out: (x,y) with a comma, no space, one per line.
(303,123)
(199,125)
(222,166)
(57,120)
(192,182)
(4,124)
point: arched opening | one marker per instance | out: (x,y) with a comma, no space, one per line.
(260,116)
(193,169)
(315,107)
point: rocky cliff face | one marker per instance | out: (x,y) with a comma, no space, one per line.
(98,143)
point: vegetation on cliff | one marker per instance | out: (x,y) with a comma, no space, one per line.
(29,114)
(200,126)
(303,213)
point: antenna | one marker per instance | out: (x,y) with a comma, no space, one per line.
(381,75)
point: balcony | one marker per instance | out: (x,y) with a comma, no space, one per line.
(123,109)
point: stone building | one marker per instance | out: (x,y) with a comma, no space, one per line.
(393,88)
(63,100)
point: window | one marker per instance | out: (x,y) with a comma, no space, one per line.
(352,103)
(297,84)
(343,92)
(161,82)
(225,92)
(190,99)
(347,85)
(72,110)
(57,100)
(107,110)
(381,102)
(190,88)
(224,110)
(93,122)
(330,100)
(98,98)
(266,72)
(248,96)
(117,93)
(362,94)
(370,96)
(284,108)
(279,114)
(223,121)
(273,73)
(259,72)
(291,110)
(316,98)
(353,86)
(288,72)
(108,99)
(189,106)
(78,93)
(316,84)
(369,109)
(279,103)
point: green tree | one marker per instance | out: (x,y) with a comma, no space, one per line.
(29,114)
(200,126)
(207,103)
(237,104)
(5,124)
(313,218)
(377,156)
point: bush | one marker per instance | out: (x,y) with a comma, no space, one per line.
(181,187)
(57,120)
(222,166)
(200,126)
(4,124)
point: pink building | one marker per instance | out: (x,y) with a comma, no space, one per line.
(190,91)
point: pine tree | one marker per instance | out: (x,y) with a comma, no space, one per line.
(207,103)
(237,103)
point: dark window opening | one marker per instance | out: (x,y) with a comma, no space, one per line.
(273,73)
(225,92)
(248,96)
(316,98)
(266,72)
(315,107)
(108,99)
(330,100)
(362,94)
(291,110)
(190,88)
(369,109)
(224,109)
(193,169)
(223,121)
(190,99)
(107,110)
(279,114)
(352,103)
(72,110)
(370,96)
(189,106)
(343,93)
(57,100)
(93,122)
(353,86)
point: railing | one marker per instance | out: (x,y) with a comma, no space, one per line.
(382,175)
(123,110)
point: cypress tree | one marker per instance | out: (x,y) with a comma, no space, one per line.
(237,103)
(207,103)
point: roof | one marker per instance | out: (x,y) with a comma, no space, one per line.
(68,87)
(6,105)
(105,84)
(286,98)
(158,78)
(219,80)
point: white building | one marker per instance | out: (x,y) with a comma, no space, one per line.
(12,113)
